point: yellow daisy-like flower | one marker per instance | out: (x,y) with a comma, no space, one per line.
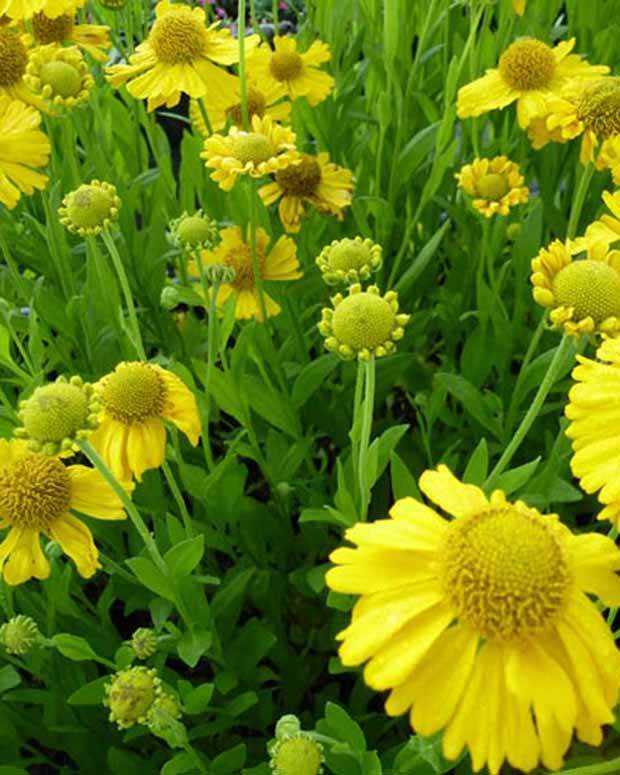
(267,148)
(519,7)
(224,105)
(37,495)
(298,73)
(595,427)
(481,626)
(234,252)
(22,147)
(26,9)
(60,76)
(583,295)
(14,56)
(529,72)
(178,58)
(136,398)
(605,231)
(63,30)
(496,185)
(316,181)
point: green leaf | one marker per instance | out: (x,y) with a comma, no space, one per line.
(90,694)
(198,699)
(193,645)
(421,261)
(184,557)
(311,378)
(149,574)
(471,399)
(478,465)
(404,484)
(9,678)
(384,447)
(344,727)
(515,479)
(180,764)
(229,762)
(73,647)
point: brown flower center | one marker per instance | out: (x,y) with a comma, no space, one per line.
(13,58)
(300,179)
(599,108)
(177,37)
(527,64)
(34,492)
(48,30)
(286,65)
(256,107)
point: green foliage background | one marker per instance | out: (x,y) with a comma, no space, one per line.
(249,627)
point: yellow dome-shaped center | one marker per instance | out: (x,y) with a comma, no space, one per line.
(599,108)
(363,320)
(133,393)
(492,186)
(90,205)
(253,147)
(591,287)
(34,492)
(286,65)
(257,104)
(178,37)
(48,30)
(13,58)
(300,179)
(349,254)
(55,412)
(527,64)
(131,694)
(505,572)
(298,756)
(63,79)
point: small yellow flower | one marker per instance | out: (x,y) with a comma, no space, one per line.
(90,209)
(131,694)
(178,58)
(14,56)
(519,7)
(481,625)
(189,232)
(583,295)
(57,416)
(59,76)
(37,495)
(363,324)
(22,147)
(315,181)
(349,260)
(19,635)
(136,398)
(595,427)
(234,252)
(268,147)
(26,9)
(224,105)
(63,30)
(529,72)
(496,185)
(605,231)
(297,72)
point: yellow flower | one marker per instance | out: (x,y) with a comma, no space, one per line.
(224,105)
(606,230)
(529,72)
(315,181)
(94,39)
(298,73)
(234,252)
(14,55)
(26,9)
(90,209)
(60,76)
(519,7)
(177,58)
(22,146)
(267,148)
(481,626)
(349,260)
(37,495)
(131,694)
(595,427)
(583,295)
(496,185)
(136,398)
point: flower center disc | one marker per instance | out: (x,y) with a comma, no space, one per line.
(492,187)
(34,492)
(599,108)
(300,179)
(177,37)
(505,572)
(133,393)
(299,756)
(349,254)
(252,147)
(363,320)
(64,79)
(89,206)
(240,259)
(591,287)
(55,412)
(13,58)
(256,107)
(527,64)
(48,30)
(286,65)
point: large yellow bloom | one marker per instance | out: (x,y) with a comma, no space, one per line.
(298,73)
(583,295)
(496,185)
(481,625)
(136,399)
(64,30)
(224,105)
(595,427)
(177,58)
(315,181)
(268,147)
(22,147)
(37,495)
(278,264)
(26,9)
(529,72)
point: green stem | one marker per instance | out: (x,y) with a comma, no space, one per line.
(211,296)
(205,115)
(178,497)
(256,269)
(367,413)
(579,199)
(605,768)
(132,511)
(254,18)
(242,74)
(531,349)
(124,283)
(275,14)
(532,413)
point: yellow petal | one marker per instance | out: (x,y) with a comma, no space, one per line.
(92,495)
(76,541)
(146,446)
(454,497)
(181,407)
(368,569)
(25,558)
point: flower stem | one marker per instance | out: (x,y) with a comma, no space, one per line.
(242,74)
(136,336)
(178,497)
(132,511)
(256,269)
(578,200)
(532,413)
(212,348)
(604,768)
(367,413)
(274,13)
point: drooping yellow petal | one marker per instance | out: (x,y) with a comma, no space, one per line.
(76,541)
(21,556)
(92,495)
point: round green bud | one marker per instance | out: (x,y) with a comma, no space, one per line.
(144,642)
(19,635)
(130,695)
(90,208)
(63,79)
(299,755)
